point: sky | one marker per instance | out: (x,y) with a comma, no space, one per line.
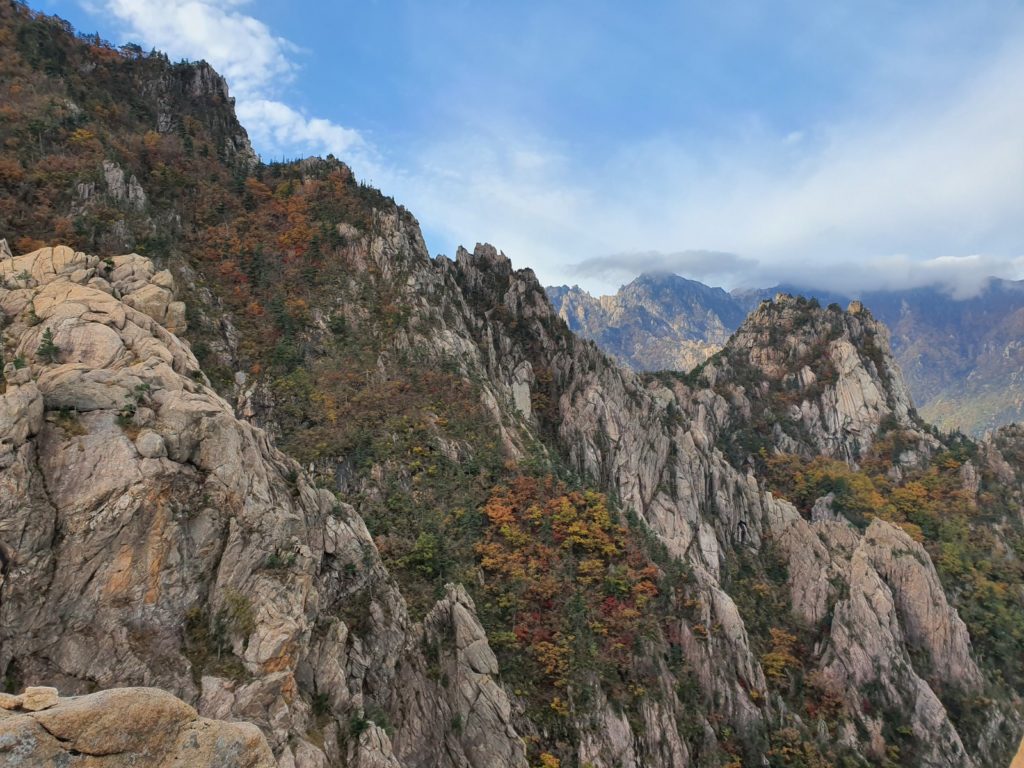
(844,145)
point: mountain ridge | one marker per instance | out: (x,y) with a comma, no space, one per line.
(391,510)
(960,356)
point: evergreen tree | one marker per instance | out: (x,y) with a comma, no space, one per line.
(48,351)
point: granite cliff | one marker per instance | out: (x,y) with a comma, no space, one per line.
(173,546)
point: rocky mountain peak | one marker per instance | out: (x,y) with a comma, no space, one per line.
(659,321)
(825,377)
(789,330)
(489,281)
(207,82)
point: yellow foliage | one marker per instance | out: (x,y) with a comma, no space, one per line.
(81,136)
(590,571)
(914,531)
(151,140)
(780,658)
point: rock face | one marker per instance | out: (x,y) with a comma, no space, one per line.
(826,380)
(156,540)
(874,594)
(126,727)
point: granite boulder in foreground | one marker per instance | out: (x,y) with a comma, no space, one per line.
(139,727)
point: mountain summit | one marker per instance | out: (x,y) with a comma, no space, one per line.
(658,321)
(961,357)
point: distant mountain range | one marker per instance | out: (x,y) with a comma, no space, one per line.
(659,321)
(963,358)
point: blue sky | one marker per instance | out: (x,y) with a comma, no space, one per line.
(851,145)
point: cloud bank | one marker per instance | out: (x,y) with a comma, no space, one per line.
(960,276)
(706,266)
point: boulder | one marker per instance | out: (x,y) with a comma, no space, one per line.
(122,727)
(36,698)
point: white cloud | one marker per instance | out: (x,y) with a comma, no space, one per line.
(707,266)
(960,276)
(240,47)
(275,124)
(256,62)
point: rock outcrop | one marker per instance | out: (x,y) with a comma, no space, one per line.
(156,540)
(823,379)
(122,727)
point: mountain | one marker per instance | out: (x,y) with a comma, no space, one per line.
(658,321)
(961,357)
(392,511)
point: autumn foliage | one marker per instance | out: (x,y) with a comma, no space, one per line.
(569,582)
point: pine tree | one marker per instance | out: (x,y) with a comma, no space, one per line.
(48,351)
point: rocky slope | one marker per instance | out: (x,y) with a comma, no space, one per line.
(864,590)
(500,548)
(960,357)
(818,382)
(173,546)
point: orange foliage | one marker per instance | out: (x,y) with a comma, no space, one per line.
(542,537)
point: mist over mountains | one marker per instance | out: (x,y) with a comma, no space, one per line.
(962,357)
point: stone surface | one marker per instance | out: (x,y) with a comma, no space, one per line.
(150,445)
(168,507)
(36,698)
(122,727)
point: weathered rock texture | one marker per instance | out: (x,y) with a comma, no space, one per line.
(122,727)
(156,540)
(820,382)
